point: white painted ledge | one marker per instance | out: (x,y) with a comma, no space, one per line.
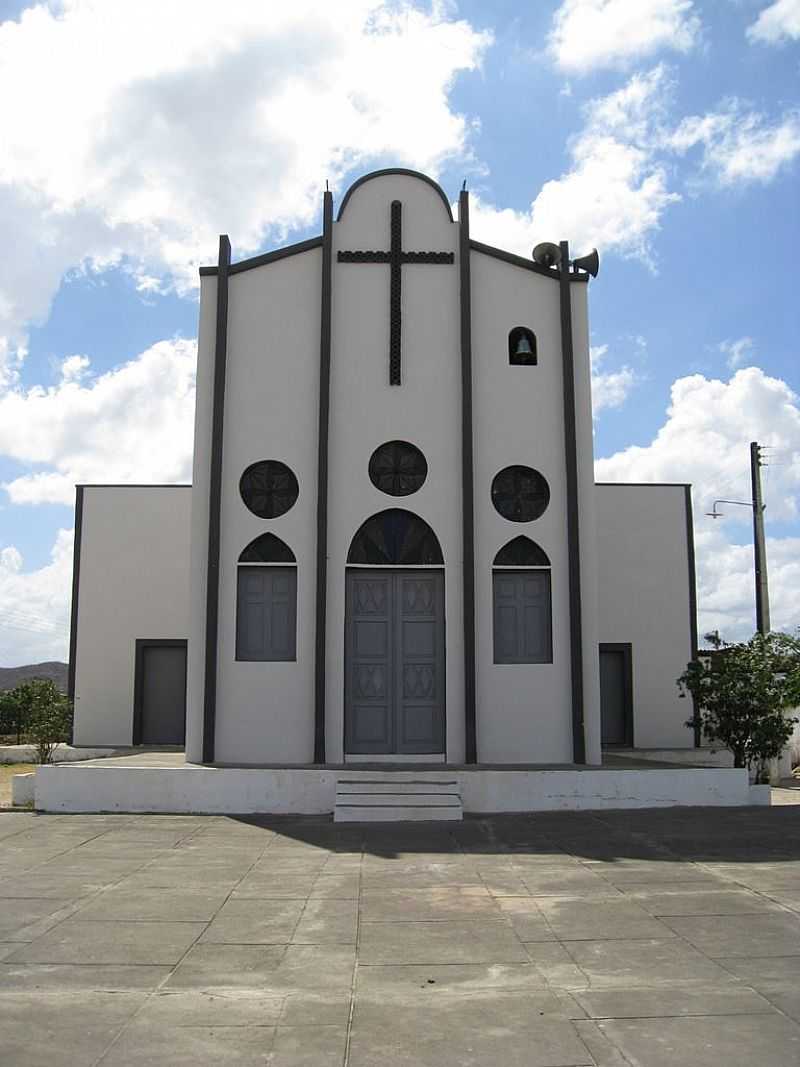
(116,787)
(22,788)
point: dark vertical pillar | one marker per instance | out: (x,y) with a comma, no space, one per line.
(467,481)
(692,598)
(76,579)
(573,519)
(215,502)
(759,544)
(322,479)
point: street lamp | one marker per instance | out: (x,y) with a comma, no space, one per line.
(759,547)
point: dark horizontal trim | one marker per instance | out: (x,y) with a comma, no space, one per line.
(133,485)
(386,173)
(266,257)
(652,485)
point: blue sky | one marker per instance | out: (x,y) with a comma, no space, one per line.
(665,132)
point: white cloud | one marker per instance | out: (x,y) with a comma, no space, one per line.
(73,368)
(705,440)
(777,23)
(616,192)
(145,129)
(592,34)
(34,605)
(132,424)
(610,389)
(739,146)
(737,352)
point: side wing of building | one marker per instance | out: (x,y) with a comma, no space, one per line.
(130,607)
(647,607)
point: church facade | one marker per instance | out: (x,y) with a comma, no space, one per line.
(393,549)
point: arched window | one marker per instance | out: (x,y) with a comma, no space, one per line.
(267,549)
(522,347)
(395,537)
(266,601)
(522,603)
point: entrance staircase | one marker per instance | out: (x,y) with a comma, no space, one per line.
(397,796)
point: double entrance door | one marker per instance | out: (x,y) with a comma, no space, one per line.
(394,662)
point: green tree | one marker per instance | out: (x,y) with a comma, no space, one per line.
(45,713)
(741,693)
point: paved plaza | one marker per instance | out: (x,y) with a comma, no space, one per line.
(647,938)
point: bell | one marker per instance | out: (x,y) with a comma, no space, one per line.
(523,353)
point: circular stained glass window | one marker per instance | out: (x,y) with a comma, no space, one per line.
(397,468)
(520,494)
(269,488)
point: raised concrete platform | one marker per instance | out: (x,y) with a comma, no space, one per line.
(164,783)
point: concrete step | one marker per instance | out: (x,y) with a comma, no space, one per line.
(397,796)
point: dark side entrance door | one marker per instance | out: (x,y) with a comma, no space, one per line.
(159,703)
(394,662)
(616,695)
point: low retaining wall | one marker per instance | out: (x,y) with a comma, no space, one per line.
(211,790)
(62,753)
(299,791)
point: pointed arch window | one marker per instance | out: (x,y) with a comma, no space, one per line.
(266,601)
(522,603)
(395,537)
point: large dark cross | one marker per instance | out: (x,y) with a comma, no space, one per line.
(395,257)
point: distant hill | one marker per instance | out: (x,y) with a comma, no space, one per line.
(10,677)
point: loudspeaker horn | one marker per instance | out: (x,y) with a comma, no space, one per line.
(590,263)
(547,254)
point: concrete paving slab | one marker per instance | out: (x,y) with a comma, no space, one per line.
(187,1046)
(386,981)
(257,885)
(233,1007)
(292,969)
(526,918)
(327,922)
(336,886)
(635,1003)
(68,977)
(446,941)
(572,920)
(515,1029)
(155,905)
(17,916)
(766,1040)
(556,965)
(74,941)
(255,922)
(437,902)
(697,901)
(72,1028)
(644,963)
(572,882)
(776,933)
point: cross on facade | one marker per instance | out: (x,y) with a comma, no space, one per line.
(395,257)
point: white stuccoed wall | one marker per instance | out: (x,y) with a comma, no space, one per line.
(265,711)
(134,583)
(643,595)
(524,710)
(367,411)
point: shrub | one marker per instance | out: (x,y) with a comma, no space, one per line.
(43,715)
(741,693)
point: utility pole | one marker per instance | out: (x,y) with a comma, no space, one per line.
(759,547)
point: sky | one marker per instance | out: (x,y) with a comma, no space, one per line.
(664,132)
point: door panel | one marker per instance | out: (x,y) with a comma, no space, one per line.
(615,696)
(162,715)
(394,670)
(368,668)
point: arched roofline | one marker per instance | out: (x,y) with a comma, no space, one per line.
(395,170)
